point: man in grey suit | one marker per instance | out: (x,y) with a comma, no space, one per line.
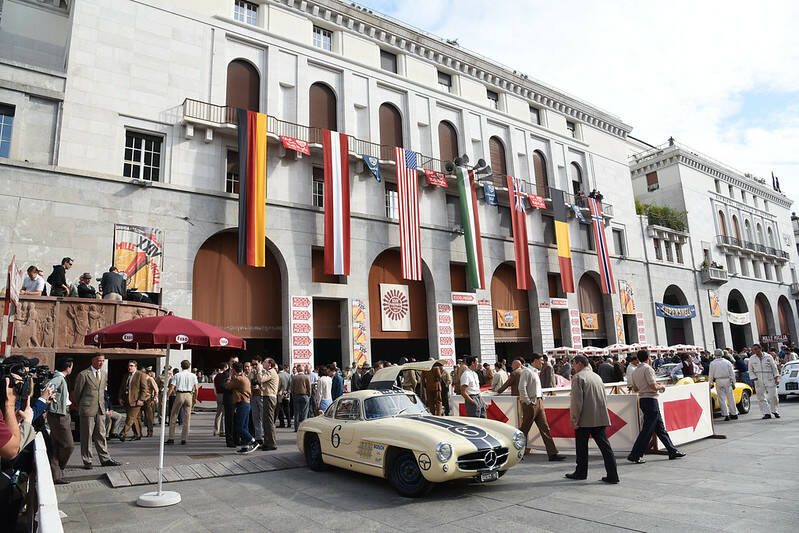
(89,396)
(589,417)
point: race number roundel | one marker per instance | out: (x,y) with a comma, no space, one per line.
(395,304)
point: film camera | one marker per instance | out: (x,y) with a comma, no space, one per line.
(24,375)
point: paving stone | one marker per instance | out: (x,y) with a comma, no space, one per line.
(202,470)
(219,469)
(151,474)
(234,467)
(117,478)
(186,472)
(136,477)
(170,474)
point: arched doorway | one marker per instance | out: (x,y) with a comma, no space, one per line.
(678,331)
(390,344)
(786,318)
(764,317)
(243,86)
(323,109)
(390,130)
(540,171)
(741,332)
(460,313)
(496,151)
(591,302)
(233,297)
(510,341)
(447,141)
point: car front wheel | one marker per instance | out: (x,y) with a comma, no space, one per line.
(406,477)
(313,453)
(743,406)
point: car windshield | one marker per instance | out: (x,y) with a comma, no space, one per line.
(392,405)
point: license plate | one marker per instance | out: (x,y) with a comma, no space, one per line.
(792,386)
(489,476)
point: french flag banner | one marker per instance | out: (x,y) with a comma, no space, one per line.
(602,252)
(410,231)
(337,203)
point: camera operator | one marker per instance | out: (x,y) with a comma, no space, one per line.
(59,421)
(10,436)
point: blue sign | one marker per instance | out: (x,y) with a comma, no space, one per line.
(372,164)
(490,193)
(675,311)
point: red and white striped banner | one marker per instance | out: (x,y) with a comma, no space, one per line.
(410,234)
(337,203)
(296,144)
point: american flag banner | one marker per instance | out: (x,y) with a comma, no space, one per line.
(408,195)
(516,189)
(602,251)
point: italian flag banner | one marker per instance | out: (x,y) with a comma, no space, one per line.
(471,228)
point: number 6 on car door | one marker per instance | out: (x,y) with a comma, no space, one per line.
(335,438)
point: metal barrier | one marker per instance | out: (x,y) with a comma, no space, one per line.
(47,518)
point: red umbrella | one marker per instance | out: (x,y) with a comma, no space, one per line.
(162,332)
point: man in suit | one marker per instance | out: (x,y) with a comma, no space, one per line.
(132,395)
(231,438)
(152,402)
(547,373)
(513,380)
(433,386)
(589,417)
(89,396)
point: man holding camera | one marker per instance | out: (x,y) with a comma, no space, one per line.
(58,420)
(89,395)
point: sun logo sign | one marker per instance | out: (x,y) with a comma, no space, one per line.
(395,304)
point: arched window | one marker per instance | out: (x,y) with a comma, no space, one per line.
(322,111)
(759,233)
(540,170)
(722,224)
(496,151)
(576,176)
(748,229)
(390,130)
(770,238)
(447,141)
(243,86)
(735,227)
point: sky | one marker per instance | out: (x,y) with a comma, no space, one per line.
(720,77)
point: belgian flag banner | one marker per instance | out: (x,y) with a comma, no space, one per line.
(252,188)
(562,240)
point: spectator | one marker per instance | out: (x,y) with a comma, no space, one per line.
(231,437)
(338,383)
(283,397)
(255,372)
(325,389)
(85,290)
(565,369)
(366,376)
(500,377)
(151,403)
(88,394)
(517,365)
(300,388)
(34,283)
(219,388)
(59,422)
(184,384)
(470,390)
(355,379)
(547,373)
(58,278)
(239,386)
(132,395)
(270,383)
(112,285)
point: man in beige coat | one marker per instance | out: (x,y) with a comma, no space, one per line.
(89,395)
(589,417)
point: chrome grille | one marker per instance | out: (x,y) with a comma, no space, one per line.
(487,458)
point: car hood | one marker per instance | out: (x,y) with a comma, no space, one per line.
(426,431)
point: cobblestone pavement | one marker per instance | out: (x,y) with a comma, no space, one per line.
(747,482)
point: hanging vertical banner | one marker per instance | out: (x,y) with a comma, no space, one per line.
(626,297)
(337,202)
(715,303)
(521,253)
(446,334)
(547,332)
(139,253)
(252,188)
(485,326)
(373,164)
(619,327)
(360,350)
(578,214)
(576,330)
(301,347)
(602,250)
(490,193)
(639,321)
(410,232)
(395,308)
(471,228)
(562,239)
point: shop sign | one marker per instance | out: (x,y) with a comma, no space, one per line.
(464,298)
(507,319)
(589,321)
(739,319)
(559,303)
(773,339)
(679,312)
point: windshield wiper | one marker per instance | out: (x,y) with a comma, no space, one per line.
(401,411)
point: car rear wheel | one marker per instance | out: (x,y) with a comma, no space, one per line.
(313,453)
(745,403)
(406,477)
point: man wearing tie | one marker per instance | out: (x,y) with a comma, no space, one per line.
(133,393)
(89,396)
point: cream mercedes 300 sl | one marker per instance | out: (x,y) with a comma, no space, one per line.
(388,432)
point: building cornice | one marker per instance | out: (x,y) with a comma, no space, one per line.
(395,35)
(642,164)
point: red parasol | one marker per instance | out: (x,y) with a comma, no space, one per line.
(162,332)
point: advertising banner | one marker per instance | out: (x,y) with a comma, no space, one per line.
(739,319)
(463,298)
(507,319)
(301,346)
(576,332)
(536,201)
(438,179)
(559,303)
(680,312)
(139,253)
(446,334)
(395,309)
(589,321)
(627,297)
(490,193)
(715,303)
(360,350)
(297,145)
(619,327)
(772,339)
(639,322)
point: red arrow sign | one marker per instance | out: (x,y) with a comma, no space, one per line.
(681,414)
(493,412)
(560,423)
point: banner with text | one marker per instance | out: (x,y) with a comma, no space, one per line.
(626,297)
(715,303)
(680,312)
(739,319)
(139,253)
(507,319)
(301,346)
(395,308)
(446,334)
(360,350)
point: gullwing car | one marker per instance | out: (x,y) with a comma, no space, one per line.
(387,432)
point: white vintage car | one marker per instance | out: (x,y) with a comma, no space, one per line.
(388,432)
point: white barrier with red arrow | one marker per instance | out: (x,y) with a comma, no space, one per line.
(687,413)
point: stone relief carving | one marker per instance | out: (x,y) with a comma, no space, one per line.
(33,326)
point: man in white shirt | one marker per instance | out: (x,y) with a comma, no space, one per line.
(533,407)
(34,283)
(722,373)
(325,389)
(500,377)
(764,372)
(470,390)
(632,364)
(184,383)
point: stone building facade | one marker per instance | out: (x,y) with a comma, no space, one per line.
(124,116)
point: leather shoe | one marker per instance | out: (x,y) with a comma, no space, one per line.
(557,457)
(87,466)
(111,462)
(676,455)
(734,417)
(574,476)
(727,418)
(170,441)
(766,417)
(776,415)
(609,480)
(636,460)
(122,438)
(268,448)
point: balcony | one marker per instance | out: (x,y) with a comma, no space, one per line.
(795,289)
(223,119)
(736,244)
(714,275)
(729,241)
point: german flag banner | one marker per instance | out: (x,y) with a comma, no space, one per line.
(252,188)
(562,239)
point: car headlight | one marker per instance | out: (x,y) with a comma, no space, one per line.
(519,440)
(444,451)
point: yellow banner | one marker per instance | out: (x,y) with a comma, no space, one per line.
(507,319)
(589,320)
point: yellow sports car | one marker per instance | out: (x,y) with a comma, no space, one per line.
(389,433)
(742,393)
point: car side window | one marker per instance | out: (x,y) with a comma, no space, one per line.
(348,409)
